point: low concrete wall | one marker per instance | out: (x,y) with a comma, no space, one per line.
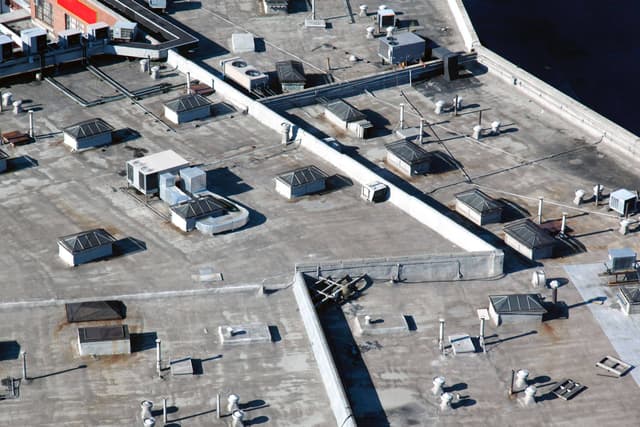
(328,371)
(544,94)
(427,268)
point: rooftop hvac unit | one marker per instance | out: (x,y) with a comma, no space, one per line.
(375,192)
(158,4)
(34,40)
(386,18)
(98,31)
(124,30)
(623,201)
(69,38)
(244,74)
(6,47)
(621,259)
(402,47)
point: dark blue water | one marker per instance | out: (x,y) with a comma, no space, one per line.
(588,49)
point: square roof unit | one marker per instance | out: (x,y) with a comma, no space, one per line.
(187,103)
(86,240)
(89,311)
(243,42)
(529,234)
(478,201)
(290,72)
(517,304)
(88,128)
(631,294)
(159,162)
(408,152)
(302,176)
(103,333)
(203,206)
(345,111)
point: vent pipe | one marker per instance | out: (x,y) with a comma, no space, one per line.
(390,31)
(24,366)
(285,128)
(370,31)
(7,99)
(530,395)
(439,107)
(477,132)
(313,10)
(154,72)
(421,131)
(495,128)
(445,401)
(364,9)
(597,193)
(144,65)
(482,319)
(367,319)
(232,404)
(218,406)
(554,291)
(563,226)
(188,83)
(17,106)
(521,379)
(401,116)
(164,411)
(579,195)
(624,227)
(159,357)
(441,336)
(32,132)
(237,417)
(540,206)
(145,409)
(438,383)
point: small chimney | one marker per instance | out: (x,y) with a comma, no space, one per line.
(439,106)
(367,319)
(438,383)
(32,132)
(445,401)
(7,99)
(237,417)
(477,132)
(159,356)
(401,116)
(188,83)
(390,31)
(145,407)
(364,9)
(370,31)
(563,226)
(441,336)
(285,129)
(530,395)
(232,404)
(495,128)
(579,195)
(24,366)
(554,289)
(421,131)
(17,106)
(521,379)
(149,422)
(540,206)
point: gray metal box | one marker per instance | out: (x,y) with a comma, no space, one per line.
(621,259)
(402,47)
(194,179)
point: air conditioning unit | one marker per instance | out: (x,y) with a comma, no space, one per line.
(385,18)
(124,31)
(375,192)
(6,47)
(69,38)
(98,31)
(244,74)
(158,4)
(34,40)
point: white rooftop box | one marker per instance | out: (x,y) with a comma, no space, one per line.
(143,173)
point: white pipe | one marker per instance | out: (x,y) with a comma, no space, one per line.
(24,365)
(159,356)
(441,336)
(188,83)
(31,126)
(540,205)
(401,116)
(563,227)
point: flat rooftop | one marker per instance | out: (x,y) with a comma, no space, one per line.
(389,376)
(63,193)
(278,382)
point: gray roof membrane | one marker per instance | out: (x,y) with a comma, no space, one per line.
(345,111)
(529,234)
(88,128)
(95,310)
(187,103)
(290,72)
(478,201)
(203,206)
(408,152)
(86,240)
(517,304)
(302,176)
(103,333)
(631,294)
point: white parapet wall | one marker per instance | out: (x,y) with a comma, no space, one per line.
(411,205)
(547,96)
(328,371)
